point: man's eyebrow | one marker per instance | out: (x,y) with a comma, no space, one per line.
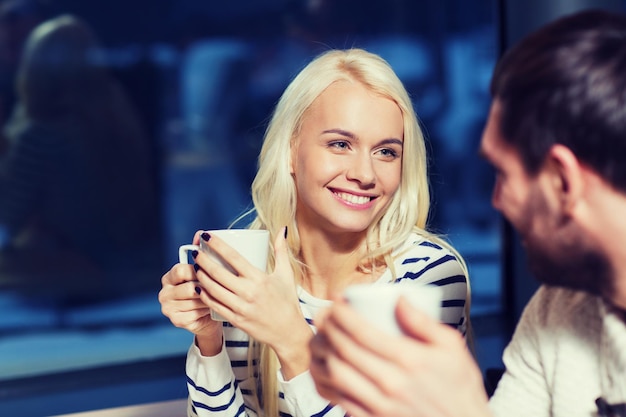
(388,141)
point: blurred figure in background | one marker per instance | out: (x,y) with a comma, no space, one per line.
(77,198)
(17,19)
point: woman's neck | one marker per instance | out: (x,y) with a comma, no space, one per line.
(333,263)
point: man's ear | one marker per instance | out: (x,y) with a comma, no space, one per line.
(568,176)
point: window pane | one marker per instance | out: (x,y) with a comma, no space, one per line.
(151,131)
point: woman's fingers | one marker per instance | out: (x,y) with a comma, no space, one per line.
(239,265)
(218,290)
(179,274)
(229,293)
(182,305)
(189,318)
(196,237)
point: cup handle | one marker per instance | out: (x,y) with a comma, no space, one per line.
(183,258)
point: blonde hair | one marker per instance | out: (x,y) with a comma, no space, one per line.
(274,191)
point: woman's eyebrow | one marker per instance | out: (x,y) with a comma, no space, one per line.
(391,141)
(341,132)
(388,141)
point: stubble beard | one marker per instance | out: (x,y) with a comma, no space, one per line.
(570,262)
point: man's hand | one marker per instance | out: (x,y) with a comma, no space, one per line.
(429,372)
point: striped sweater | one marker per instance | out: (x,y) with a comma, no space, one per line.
(220,385)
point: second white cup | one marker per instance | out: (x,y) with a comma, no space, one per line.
(377,302)
(250,243)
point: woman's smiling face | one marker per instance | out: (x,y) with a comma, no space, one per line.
(347,159)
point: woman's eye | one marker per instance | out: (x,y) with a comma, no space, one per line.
(388,153)
(340,144)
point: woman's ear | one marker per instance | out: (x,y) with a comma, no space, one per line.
(568,176)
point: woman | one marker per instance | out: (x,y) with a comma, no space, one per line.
(342,188)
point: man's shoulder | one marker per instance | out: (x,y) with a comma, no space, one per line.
(547,294)
(556,305)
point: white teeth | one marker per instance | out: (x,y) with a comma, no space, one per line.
(353,199)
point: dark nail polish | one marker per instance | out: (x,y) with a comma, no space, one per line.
(196,267)
(198,290)
(194,253)
(205,236)
(286,232)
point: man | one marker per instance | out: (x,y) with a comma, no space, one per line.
(556,136)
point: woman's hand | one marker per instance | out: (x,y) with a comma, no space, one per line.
(428,372)
(263,305)
(181,303)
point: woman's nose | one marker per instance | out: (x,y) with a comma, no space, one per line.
(362,170)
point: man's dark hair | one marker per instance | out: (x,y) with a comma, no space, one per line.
(566,83)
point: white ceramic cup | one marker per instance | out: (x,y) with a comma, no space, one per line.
(377,302)
(251,244)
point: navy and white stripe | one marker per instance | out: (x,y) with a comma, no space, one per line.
(212,393)
(428,263)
